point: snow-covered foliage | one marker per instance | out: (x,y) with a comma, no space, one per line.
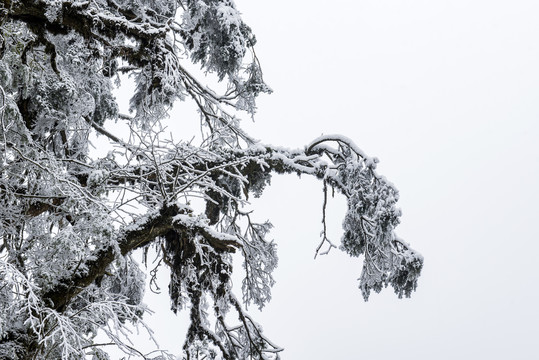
(69,221)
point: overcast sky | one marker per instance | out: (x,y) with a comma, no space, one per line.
(446,95)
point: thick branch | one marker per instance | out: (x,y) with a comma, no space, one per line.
(60,296)
(135,237)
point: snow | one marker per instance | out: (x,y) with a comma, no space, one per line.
(338,138)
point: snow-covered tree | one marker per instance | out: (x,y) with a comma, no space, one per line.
(70,220)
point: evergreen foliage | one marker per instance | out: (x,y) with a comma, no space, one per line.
(69,221)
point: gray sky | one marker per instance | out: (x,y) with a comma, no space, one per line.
(445,94)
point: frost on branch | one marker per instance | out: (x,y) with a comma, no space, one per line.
(368,228)
(71,222)
(370,218)
(216,36)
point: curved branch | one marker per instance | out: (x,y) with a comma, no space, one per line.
(342,140)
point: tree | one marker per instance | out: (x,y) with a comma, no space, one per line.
(70,221)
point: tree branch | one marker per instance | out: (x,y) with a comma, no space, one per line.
(137,236)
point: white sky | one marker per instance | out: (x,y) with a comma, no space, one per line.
(446,95)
